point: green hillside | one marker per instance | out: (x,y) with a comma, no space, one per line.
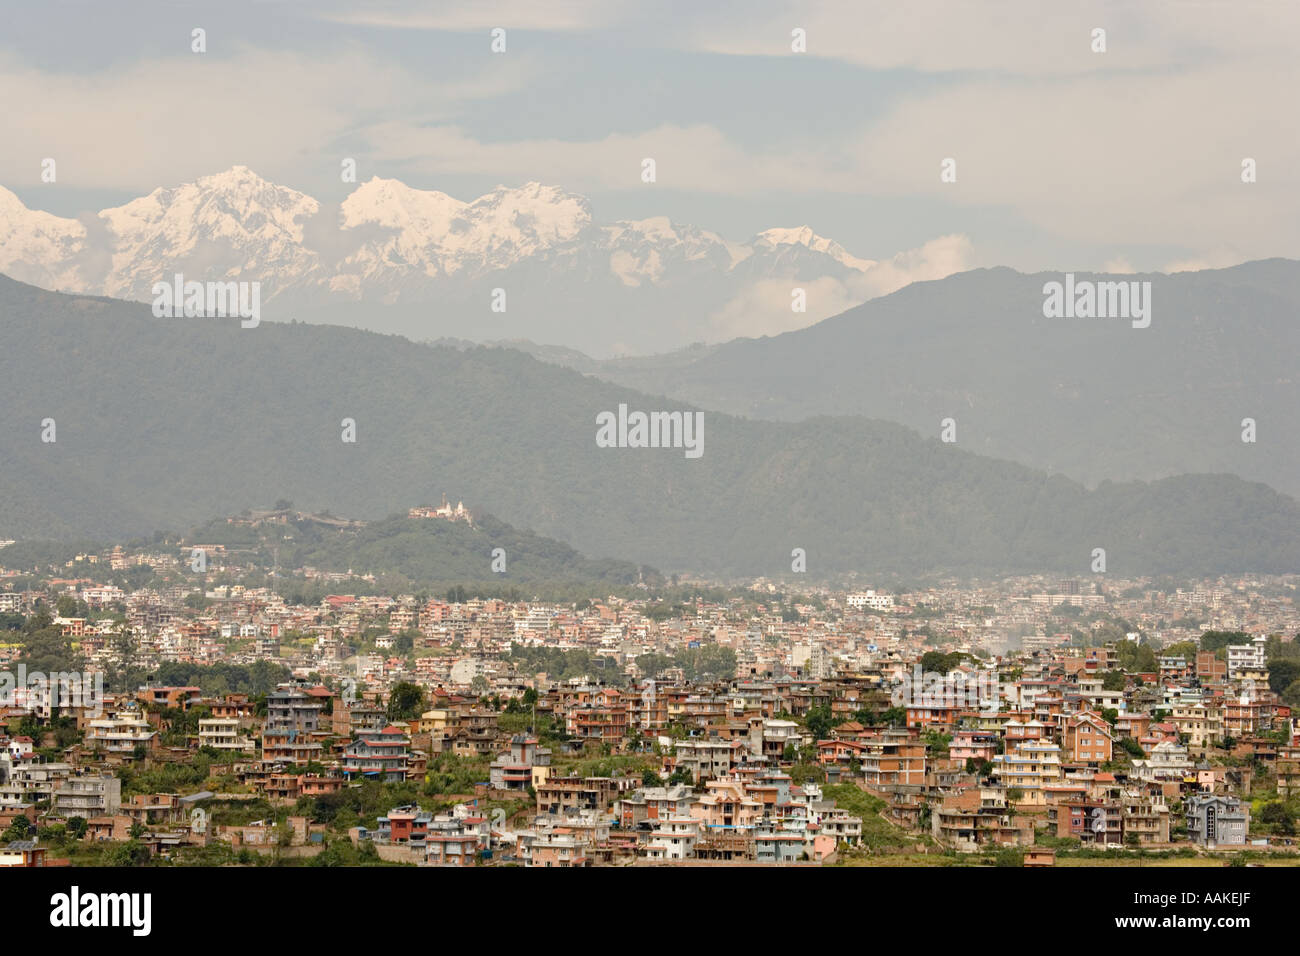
(428,553)
(1092,399)
(162,423)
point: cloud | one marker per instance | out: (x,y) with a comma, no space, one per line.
(1105,159)
(557,16)
(693,158)
(1139,146)
(1025,38)
(1219,258)
(764,306)
(290,116)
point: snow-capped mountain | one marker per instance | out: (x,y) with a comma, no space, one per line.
(782,241)
(234,225)
(424,262)
(38,248)
(400,234)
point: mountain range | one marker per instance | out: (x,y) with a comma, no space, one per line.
(160,423)
(421,263)
(1091,398)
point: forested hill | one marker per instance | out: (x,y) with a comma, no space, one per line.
(162,423)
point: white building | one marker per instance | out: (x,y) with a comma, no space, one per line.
(673,839)
(222,733)
(1247,658)
(870,599)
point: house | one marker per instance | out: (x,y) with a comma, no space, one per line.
(407,824)
(1217,820)
(977,745)
(382,755)
(604,717)
(895,757)
(1146,819)
(1288,772)
(1248,660)
(1166,761)
(88,796)
(706,758)
(116,828)
(769,738)
(446,848)
(289,746)
(170,698)
(517,768)
(1031,767)
(1209,669)
(1088,738)
(1133,725)
(1091,821)
(121,733)
(726,804)
(558,795)
(153,809)
(557,850)
(673,838)
(290,709)
(222,733)
(1199,722)
(845,754)
(23,853)
(976,818)
(32,782)
(774,844)
(654,804)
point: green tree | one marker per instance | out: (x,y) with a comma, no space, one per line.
(406,701)
(819,721)
(1113,680)
(1282,673)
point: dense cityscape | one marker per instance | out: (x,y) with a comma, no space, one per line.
(159,714)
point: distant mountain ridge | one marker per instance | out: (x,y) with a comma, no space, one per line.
(1093,399)
(163,422)
(425,264)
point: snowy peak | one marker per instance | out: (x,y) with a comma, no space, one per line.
(805,237)
(237,200)
(530,217)
(652,250)
(231,223)
(394,205)
(430,234)
(38,247)
(17,221)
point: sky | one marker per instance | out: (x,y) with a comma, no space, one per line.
(1066,158)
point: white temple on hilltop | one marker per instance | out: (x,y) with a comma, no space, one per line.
(444,511)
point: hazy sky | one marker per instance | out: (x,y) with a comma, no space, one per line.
(1066,158)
